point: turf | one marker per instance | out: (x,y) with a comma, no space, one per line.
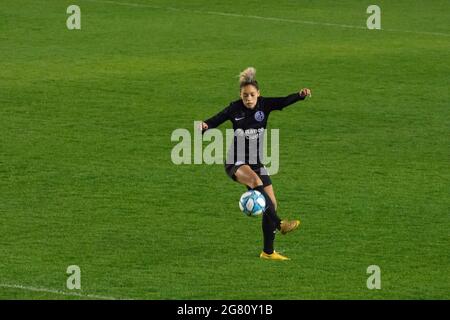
(86,176)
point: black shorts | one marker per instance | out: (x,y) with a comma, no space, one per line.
(259,169)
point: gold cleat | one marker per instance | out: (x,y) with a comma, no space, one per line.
(274,256)
(288,226)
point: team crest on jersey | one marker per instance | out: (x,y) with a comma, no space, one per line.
(259,116)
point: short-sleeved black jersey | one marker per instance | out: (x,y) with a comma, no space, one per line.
(249,126)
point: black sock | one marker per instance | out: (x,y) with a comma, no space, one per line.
(269,229)
(270,208)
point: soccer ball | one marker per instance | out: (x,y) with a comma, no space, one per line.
(252,203)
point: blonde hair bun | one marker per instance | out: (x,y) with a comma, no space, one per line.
(247,76)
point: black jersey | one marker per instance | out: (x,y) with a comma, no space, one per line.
(249,126)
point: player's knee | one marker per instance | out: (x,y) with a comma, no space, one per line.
(255,181)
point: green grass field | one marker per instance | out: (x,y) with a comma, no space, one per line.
(86,176)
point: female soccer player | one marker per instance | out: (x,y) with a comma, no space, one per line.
(249,116)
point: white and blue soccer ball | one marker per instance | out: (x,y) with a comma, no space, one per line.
(252,203)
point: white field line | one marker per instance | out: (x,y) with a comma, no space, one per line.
(76,294)
(237,15)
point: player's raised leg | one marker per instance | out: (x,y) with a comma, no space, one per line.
(245,175)
(285,225)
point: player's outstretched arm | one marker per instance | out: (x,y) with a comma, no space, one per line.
(216,120)
(280,103)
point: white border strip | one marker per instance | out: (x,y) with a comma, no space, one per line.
(236,15)
(76,294)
